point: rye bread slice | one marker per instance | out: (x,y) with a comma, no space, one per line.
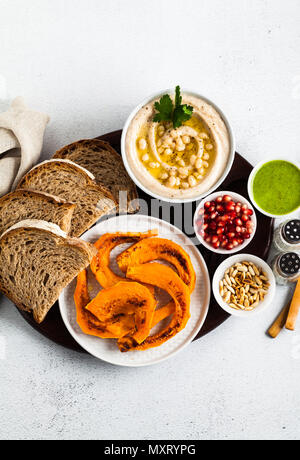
(74,184)
(107,166)
(28,204)
(37,261)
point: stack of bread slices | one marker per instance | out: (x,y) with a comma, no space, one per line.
(42,220)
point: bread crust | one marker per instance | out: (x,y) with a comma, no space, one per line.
(98,144)
(69,208)
(87,249)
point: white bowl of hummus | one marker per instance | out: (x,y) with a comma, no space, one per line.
(181,164)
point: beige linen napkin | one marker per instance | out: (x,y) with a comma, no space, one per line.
(21,140)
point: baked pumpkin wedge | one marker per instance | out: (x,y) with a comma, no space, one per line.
(100,263)
(151,249)
(126,300)
(165,278)
(89,324)
(163,313)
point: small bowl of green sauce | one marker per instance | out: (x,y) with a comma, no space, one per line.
(274,187)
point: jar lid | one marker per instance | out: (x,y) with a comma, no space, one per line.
(291,231)
(289,263)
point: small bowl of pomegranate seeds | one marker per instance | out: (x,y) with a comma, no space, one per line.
(225,222)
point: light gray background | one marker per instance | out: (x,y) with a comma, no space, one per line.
(87,63)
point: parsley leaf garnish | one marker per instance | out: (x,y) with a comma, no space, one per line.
(167,112)
(164,108)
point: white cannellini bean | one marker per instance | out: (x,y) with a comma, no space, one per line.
(142,144)
(164,176)
(183,171)
(186,139)
(209,146)
(203,136)
(180,147)
(145,158)
(185,185)
(193,159)
(206,156)
(161,130)
(198,164)
(192,181)
(172,181)
(178,181)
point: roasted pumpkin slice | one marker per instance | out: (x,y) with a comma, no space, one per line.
(165,278)
(100,263)
(163,313)
(89,324)
(159,249)
(126,299)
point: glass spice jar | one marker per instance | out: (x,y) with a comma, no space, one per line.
(287,235)
(286,267)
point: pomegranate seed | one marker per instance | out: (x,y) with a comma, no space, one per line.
(244,217)
(205,226)
(208,239)
(247,236)
(238,209)
(221,223)
(224,243)
(240,240)
(238,229)
(232,215)
(238,221)
(227,198)
(213,225)
(230,206)
(207,204)
(212,208)
(220,230)
(213,215)
(235,242)
(214,239)
(244,206)
(219,199)
(248,212)
(216,245)
(219,208)
(249,224)
(231,235)
(229,246)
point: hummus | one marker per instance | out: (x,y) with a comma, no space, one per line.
(178,163)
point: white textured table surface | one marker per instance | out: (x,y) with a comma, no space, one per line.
(87,64)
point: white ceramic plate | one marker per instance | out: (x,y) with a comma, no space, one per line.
(219,275)
(107,349)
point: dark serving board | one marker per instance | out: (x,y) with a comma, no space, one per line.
(53,327)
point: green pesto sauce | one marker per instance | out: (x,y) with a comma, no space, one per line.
(276,187)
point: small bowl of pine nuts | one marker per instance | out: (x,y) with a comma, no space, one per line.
(244,285)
